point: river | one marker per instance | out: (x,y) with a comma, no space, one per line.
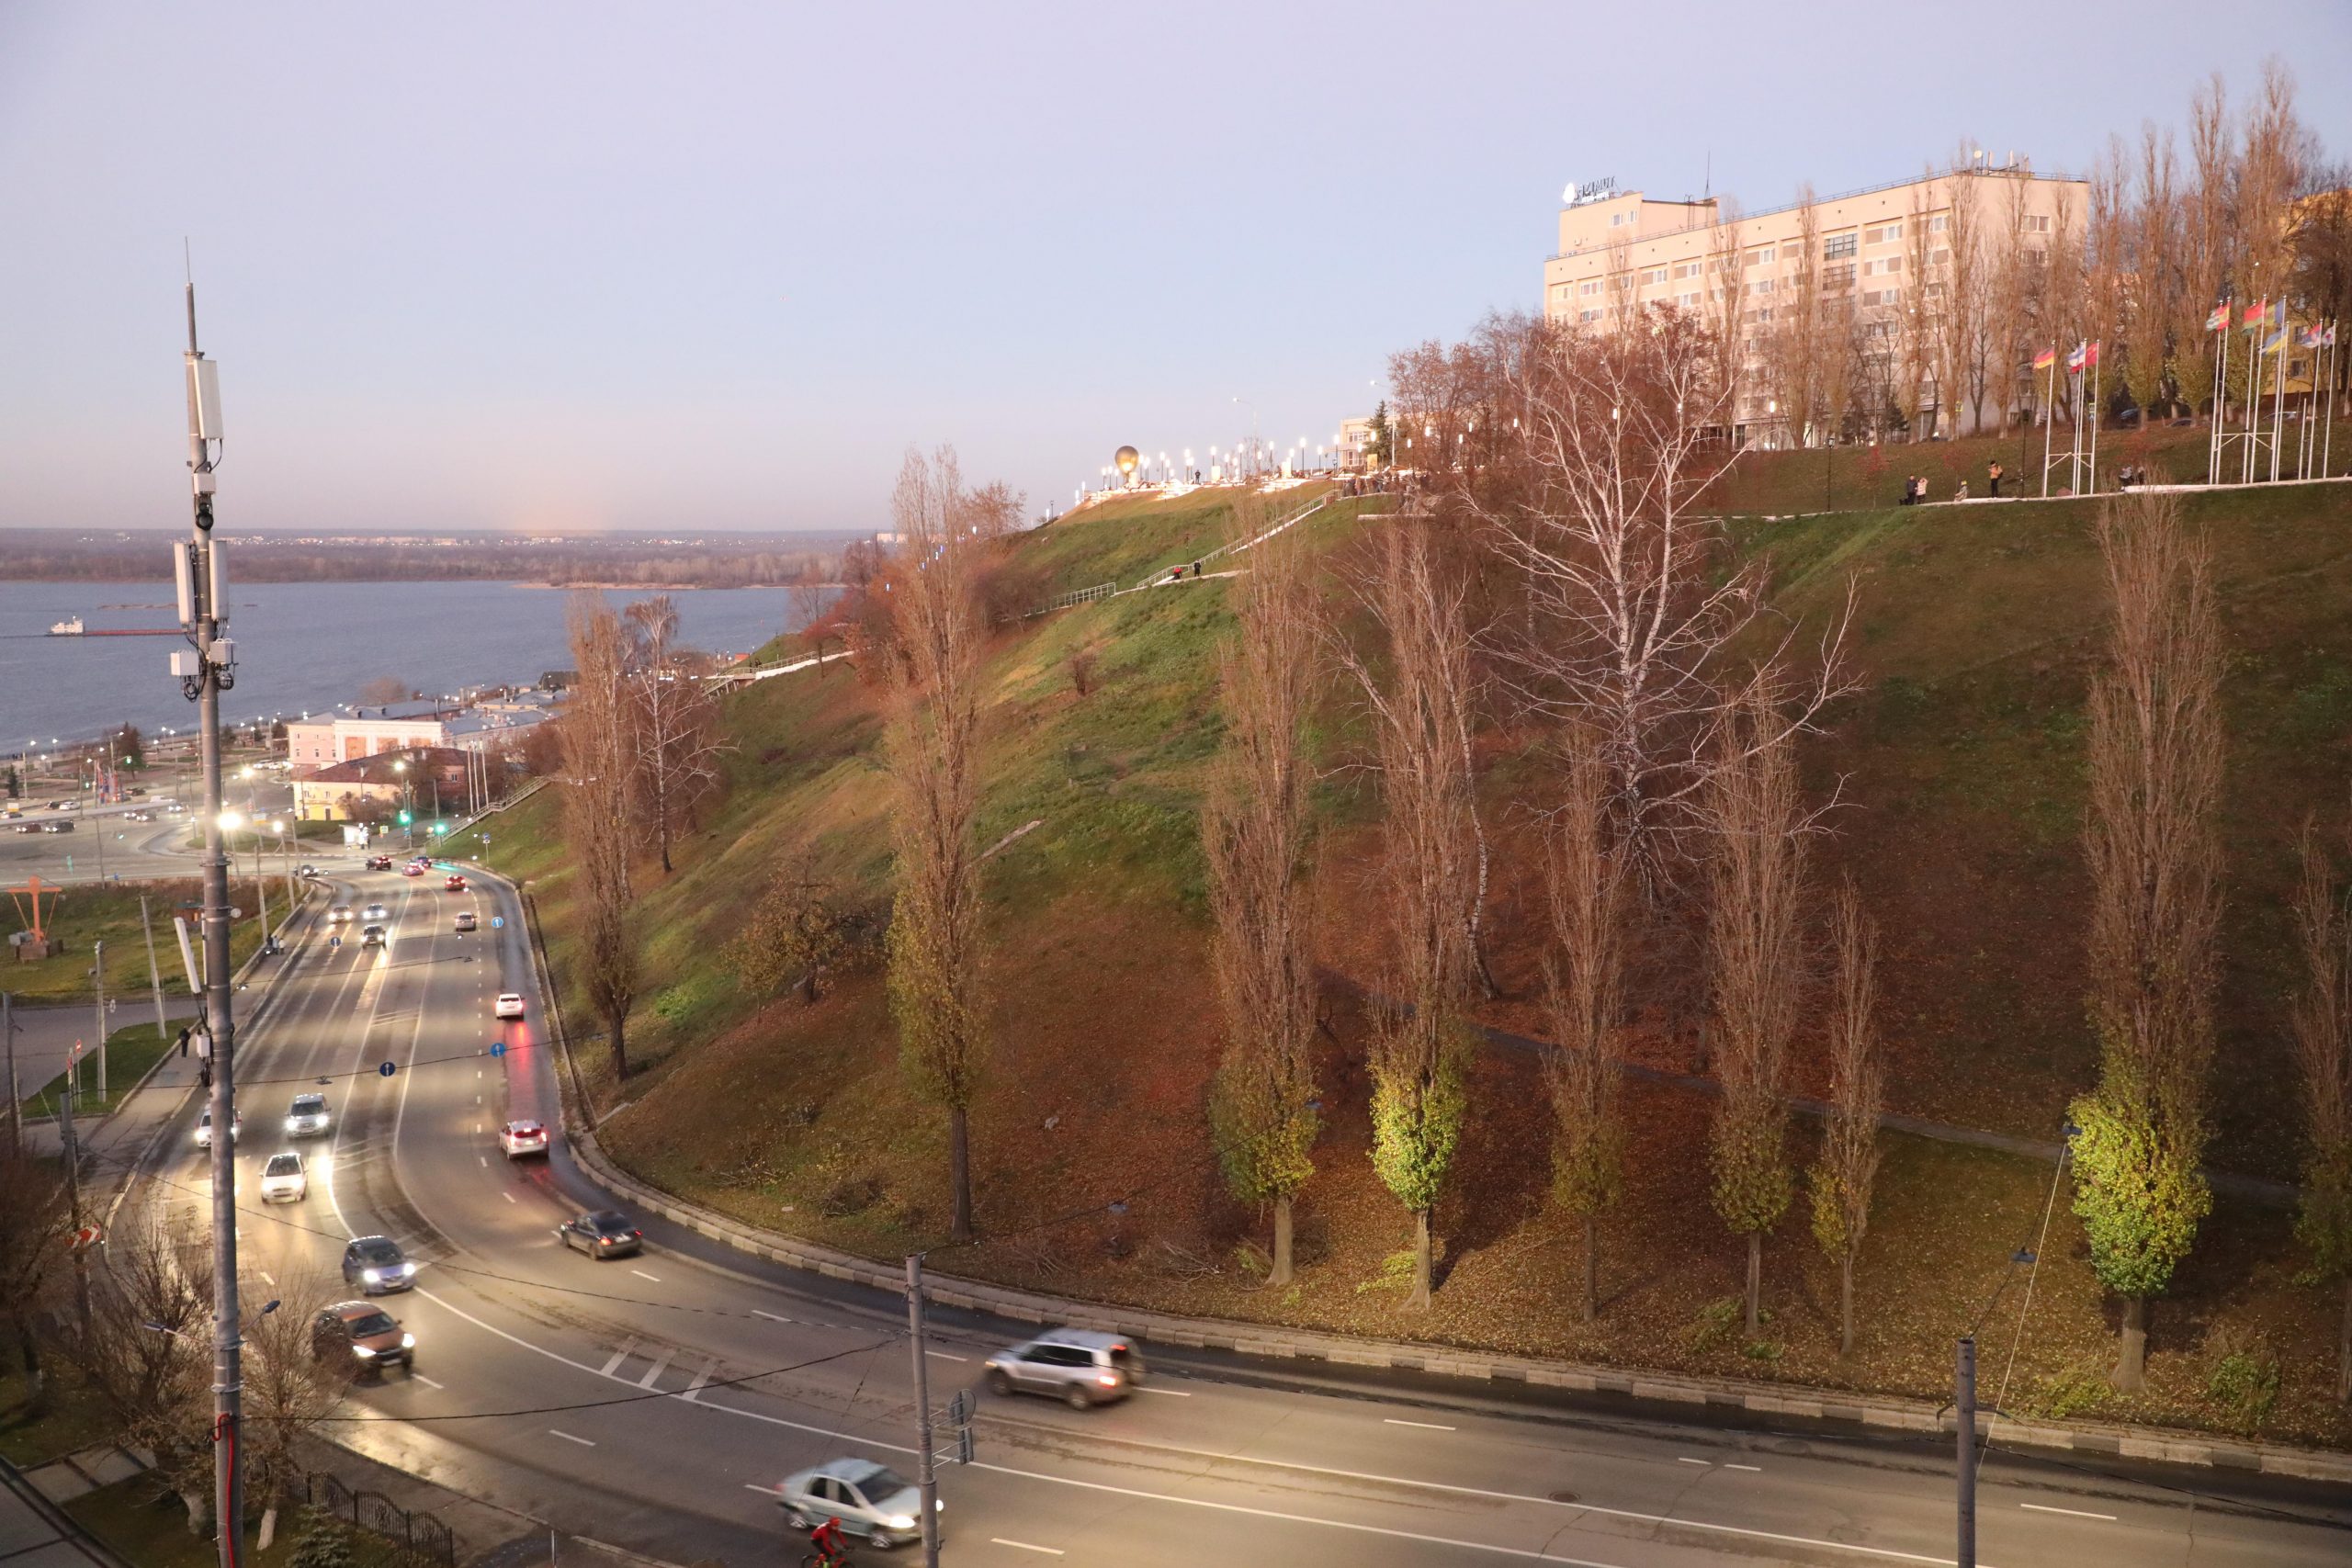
(307,647)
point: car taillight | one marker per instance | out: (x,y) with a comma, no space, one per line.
(1109,1380)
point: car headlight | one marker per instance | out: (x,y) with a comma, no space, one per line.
(408,1341)
(372,1276)
(900,1522)
(407,1269)
(363,1350)
(293,1124)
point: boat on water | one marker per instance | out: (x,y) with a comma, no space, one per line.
(69,627)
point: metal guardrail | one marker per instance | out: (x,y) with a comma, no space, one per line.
(411,1529)
(1077,596)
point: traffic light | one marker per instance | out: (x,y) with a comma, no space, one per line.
(403,819)
(440,828)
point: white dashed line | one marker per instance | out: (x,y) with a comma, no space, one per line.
(420,1377)
(661,1364)
(762,1491)
(1024,1546)
(769,1315)
(643,1275)
(1701,1464)
(2070,1512)
(1170,1393)
(620,1354)
(485,1160)
(568,1437)
(1425,1426)
(945,1357)
(1756,1468)
(508,1196)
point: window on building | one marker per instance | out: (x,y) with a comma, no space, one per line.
(1688,269)
(1937,258)
(1615,218)
(1761,256)
(1655,275)
(2037,224)
(1587,315)
(1838,245)
(1939,222)
(1762,286)
(1839,277)
(1763,315)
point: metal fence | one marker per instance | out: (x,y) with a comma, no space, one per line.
(1078,596)
(413,1530)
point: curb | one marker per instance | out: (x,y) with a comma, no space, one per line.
(1888,1412)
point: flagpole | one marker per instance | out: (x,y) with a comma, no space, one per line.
(2215,443)
(2254,394)
(2074,448)
(2093,411)
(2278,397)
(2327,442)
(2049,392)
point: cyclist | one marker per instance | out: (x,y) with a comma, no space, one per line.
(832,1551)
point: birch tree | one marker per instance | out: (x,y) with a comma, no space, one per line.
(2153,848)
(1253,832)
(675,718)
(933,757)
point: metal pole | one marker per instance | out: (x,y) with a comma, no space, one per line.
(1964,1403)
(98,972)
(2278,396)
(2221,399)
(925,1481)
(72,1148)
(212,673)
(16,1100)
(155,975)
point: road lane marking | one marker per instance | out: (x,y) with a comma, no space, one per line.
(945,1357)
(643,1275)
(769,1315)
(762,1491)
(1756,1468)
(508,1196)
(420,1377)
(1701,1464)
(583,1442)
(2070,1512)
(1425,1426)
(702,1377)
(661,1364)
(485,1160)
(627,1346)
(1170,1393)
(1024,1546)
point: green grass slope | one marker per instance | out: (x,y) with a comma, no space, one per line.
(1959,759)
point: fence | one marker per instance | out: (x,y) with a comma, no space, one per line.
(413,1530)
(1079,596)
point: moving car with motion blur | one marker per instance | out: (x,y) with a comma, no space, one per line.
(307,872)
(340,915)
(204,1127)
(283,1180)
(1076,1366)
(605,1234)
(454,883)
(378,914)
(374,1264)
(510,1005)
(307,1117)
(874,1503)
(372,937)
(411,869)
(521,1138)
(466,920)
(362,1336)
(380,863)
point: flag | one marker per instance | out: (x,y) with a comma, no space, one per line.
(2255,314)
(2046,358)
(2091,357)
(2270,344)
(2219,318)
(2313,336)
(2327,337)
(2076,360)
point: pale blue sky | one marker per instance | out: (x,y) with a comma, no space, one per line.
(714,266)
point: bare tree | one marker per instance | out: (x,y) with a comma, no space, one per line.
(1915,318)
(1958,271)
(598,792)
(2152,300)
(36,1223)
(288,1391)
(1632,598)
(1253,831)
(796,935)
(675,718)
(933,757)
(1583,973)
(1419,704)
(382,691)
(1754,964)
(145,1356)
(1842,1179)
(2323,1051)
(811,597)
(2153,848)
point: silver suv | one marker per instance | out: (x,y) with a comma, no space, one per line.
(1077,1366)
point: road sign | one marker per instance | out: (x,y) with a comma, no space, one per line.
(498,1047)
(389,1068)
(498,922)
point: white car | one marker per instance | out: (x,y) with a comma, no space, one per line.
(307,1117)
(282,1180)
(340,915)
(510,1005)
(204,1128)
(520,1138)
(874,1503)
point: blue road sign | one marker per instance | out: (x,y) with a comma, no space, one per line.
(388,1069)
(498,922)
(498,1047)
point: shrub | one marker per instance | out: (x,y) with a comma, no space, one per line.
(2243,1381)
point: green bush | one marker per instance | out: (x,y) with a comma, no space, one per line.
(2243,1381)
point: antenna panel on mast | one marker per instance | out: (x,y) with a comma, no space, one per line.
(203,398)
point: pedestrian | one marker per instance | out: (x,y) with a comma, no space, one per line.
(1993,471)
(1961,494)
(1907,482)
(184,1034)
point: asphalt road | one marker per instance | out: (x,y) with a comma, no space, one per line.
(654,1402)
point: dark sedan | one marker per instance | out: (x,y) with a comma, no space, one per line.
(605,1234)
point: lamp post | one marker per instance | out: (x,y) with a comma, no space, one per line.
(408,803)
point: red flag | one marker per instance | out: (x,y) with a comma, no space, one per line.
(2091,354)
(2219,318)
(2075,360)
(2255,312)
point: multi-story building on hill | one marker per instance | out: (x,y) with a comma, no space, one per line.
(1839,312)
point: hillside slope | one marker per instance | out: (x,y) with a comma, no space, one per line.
(1961,763)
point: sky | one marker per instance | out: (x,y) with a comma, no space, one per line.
(705,265)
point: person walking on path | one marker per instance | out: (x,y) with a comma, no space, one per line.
(1993,474)
(184,1034)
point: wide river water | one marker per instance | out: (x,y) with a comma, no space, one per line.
(306,647)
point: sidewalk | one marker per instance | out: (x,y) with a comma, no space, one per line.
(34,1533)
(45,1035)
